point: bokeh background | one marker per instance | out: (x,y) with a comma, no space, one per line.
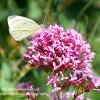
(83,15)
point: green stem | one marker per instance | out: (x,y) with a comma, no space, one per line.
(82,11)
(58,96)
(94,29)
(85,8)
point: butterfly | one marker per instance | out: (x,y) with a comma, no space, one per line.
(22,27)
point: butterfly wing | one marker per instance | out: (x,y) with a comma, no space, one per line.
(21,27)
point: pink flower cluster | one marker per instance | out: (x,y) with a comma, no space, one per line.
(26,89)
(66,54)
(68,96)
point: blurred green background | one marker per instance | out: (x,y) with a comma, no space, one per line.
(83,15)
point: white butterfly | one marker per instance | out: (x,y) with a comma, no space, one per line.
(22,27)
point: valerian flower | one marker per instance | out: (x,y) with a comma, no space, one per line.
(68,96)
(67,55)
(26,89)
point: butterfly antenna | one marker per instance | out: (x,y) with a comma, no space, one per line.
(47,9)
(45,16)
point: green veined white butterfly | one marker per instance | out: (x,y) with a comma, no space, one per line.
(22,27)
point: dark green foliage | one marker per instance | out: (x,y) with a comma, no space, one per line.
(83,15)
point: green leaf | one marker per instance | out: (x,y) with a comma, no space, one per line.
(66,22)
(34,10)
(6,70)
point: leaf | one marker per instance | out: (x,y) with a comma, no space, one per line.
(5,76)
(34,10)
(66,22)
(6,71)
